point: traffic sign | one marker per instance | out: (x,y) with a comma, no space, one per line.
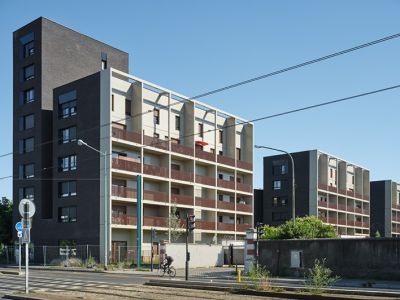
(19,234)
(26,235)
(32,207)
(18,226)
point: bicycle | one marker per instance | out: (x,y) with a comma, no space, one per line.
(169,270)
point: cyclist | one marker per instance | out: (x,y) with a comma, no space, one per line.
(167,262)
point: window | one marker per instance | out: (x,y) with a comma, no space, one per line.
(221,136)
(156,116)
(112,102)
(26,122)
(67,188)
(201,131)
(220,176)
(29,72)
(175,191)
(330,172)
(26,145)
(67,163)
(26,193)
(352,179)
(279,167)
(27,45)
(231,178)
(238,154)
(277,185)
(177,123)
(220,219)
(238,179)
(103,64)
(116,154)
(128,107)
(67,214)
(67,135)
(220,197)
(279,216)
(67,104)
(279,202)
(28,96)
(26,171)
(220,152)
(175,167)
(29,49)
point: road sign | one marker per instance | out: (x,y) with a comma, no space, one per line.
(18,226)
(19,234)
(26,235)
(32,207)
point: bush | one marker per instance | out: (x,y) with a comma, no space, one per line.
(71,262)
(259,276)
(91,262)
(319,277)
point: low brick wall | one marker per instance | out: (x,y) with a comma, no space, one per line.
(351,258)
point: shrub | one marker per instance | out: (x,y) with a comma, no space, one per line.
(91,262)
(319,277)
(259,276)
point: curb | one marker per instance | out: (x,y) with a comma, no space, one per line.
(20,297)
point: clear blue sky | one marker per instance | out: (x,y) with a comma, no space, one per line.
(192,47)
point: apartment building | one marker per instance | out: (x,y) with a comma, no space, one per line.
(385,208)
(329,187)
(192,158)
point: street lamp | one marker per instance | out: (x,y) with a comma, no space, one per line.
(293,180)
(82,143)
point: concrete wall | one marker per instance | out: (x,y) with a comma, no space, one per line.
(200,255)
(357,258)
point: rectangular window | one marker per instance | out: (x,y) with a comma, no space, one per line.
(220,219)
(29,49)
(238,154)
(27,171)
(67,104)
(29,72)
(26,193)
(220,176)
(29,96)
(201,131)
(27,45)
(67,188)
(103,64)
(279,202)
(128,107)
(175,191)
(67,135)
(220,152)
(221,136)
(26,145)
(177,123)
(156,116)
(67,163)
(220,197)
(175,167)
(67,214)
(26,122)
(277,185)
(279,167)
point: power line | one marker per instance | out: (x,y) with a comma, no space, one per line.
(310,62)
(242,123)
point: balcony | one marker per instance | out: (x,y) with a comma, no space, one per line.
(155,142)
(182,199)
(332,220)
(244,165)
(244,207)
(205,155)
(342,207)
(155,196)
(365,224)
(365,211)
(126,164)
(350,222)
(244,187)
(350,208)
(155,170)
(205,202)
(226,227)
(123,192)
(205,225)
(366,197)
(221,159)
(341,221)
(332,189)
(396,206)
(155,221)
(322,186)
(358,224)
(359,196)
(243,227)
(126,135)
(226,205)
(358,210)
(322,203)
(350,193)
(205,180)
(226,184)
(182,149)
(123,219)
(342,192)
(181,175)
(332,205)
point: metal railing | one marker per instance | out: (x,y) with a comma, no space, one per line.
(126,135)
(126,164)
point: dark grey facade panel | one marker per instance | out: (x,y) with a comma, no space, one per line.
(377,211)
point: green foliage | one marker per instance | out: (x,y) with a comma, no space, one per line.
(309,227)
(175,224)
(259,277)
(319,277)
(6,226)
(91,262)
(377,234)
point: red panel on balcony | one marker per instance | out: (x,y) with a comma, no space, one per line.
(126,135)
(332,220)
(332,189)
(178,148)
(322,186)
(225,160)
(123,192)
(243,207)
(244,187)
(226,184)
(126,164)
(123,219)
(244,165)
(341,221)
(155,221)
(243,227)
(350,222)
(181,175)
(365,211)
(226,205)
(358,210)
(205,180)
(155,196)
(359,196)
(342,207)
(182,199)
(350,193)
(205,225)
(205,155)
(342,192)
(226,227)
(155,170)
(366,197)
(322,203)
(358,223)
(155,142)
(350,208)
(205,202)
(332,205)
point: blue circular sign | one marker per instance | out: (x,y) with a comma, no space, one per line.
(18,226)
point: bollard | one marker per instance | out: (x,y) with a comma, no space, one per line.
(239,276)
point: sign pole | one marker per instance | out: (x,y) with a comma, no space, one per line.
(26,268)
(19,256)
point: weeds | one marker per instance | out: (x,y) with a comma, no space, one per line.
(319,277)
(259,277)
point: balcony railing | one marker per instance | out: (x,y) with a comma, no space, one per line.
(205,180)
(359,196)
(342,192)
(226,227)
(322,186)
(365,197)
(155,221)
(366,224)
(221,159)
(226,184)
(332,220)
(182,199)
(350,208)
(332,188)
(126,135)
(226,205)
(341,221)
(396,206)
(205,155)
(123,192)
(123,219)
(244,187)
(155,196)
(332,205)
(322,203)
(243,227)
(205,225)
(244,165)
(126,164)
(182,149)
(358,210)
(205,202)
(350,193)
(243,207)
(358,224)
(155,142)
(342,207)
(350,222)
(181,175)
(155,170)
(365,211)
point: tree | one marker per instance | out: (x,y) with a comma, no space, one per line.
(309,227)
(5,221)
(175,224)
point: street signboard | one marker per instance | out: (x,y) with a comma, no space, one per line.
(19,234)
(26,235)
(32,207)
(18,226)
